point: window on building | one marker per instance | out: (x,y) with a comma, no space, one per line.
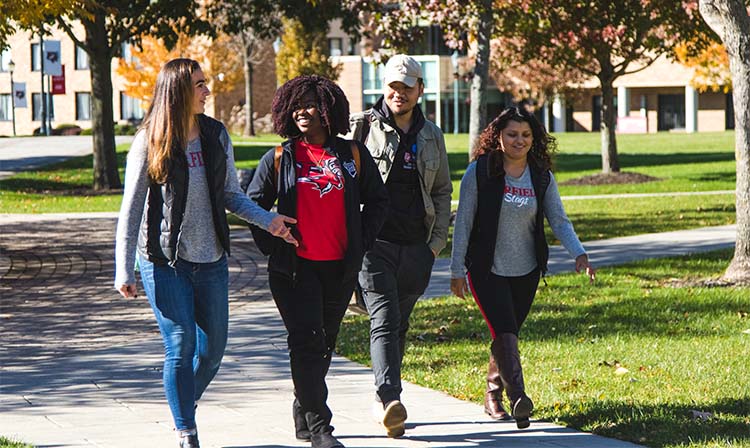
(596,112)
(6,111)
(5,60)
(130,108)
(83,106)
(350,47)
(671,112)
(82,59)
(431,75)
(335,46)
(372,76)
(36,106)
(431,42)
(36,58)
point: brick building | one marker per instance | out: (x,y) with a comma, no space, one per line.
(658,98)
(74,107)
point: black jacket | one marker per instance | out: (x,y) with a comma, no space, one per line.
(165,203)
(365,187)
(481,251)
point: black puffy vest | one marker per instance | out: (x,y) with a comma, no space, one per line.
(165,203)
(481,251)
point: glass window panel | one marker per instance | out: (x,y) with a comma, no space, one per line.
(35,58)
(5,60)
(430,73)
(130,108)
(36,106)
(6,113)
(82,59)
(83,106)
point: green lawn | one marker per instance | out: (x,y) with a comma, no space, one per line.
(682,162)
(12,443)
(685,349)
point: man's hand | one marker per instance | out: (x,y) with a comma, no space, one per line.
(583,265)
(459,287)
(279,228)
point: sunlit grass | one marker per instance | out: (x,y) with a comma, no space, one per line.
(685,348)
(680,162)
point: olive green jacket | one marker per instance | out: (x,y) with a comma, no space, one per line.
(432,165)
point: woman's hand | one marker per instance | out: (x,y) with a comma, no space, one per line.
(582,264)
(128,290)
(279,228)
(459,287)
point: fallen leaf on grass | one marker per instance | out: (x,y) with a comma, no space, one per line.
(621,371)
(699,415)
(747,331)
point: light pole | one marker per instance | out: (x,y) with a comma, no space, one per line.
(454,62)
(11,68)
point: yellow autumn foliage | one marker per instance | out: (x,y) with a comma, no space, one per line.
(711,67)
(218,58)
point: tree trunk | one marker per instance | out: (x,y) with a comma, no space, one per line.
(610,161)
(249,122)
(478,113)
(729,19)
(106,175)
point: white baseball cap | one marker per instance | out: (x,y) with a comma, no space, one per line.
(402,68)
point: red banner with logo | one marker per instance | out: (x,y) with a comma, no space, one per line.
(58,83)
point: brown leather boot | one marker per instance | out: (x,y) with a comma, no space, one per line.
(493,398)
(505,350)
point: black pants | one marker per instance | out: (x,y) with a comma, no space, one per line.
(505,301)
(312,308)
(393,277)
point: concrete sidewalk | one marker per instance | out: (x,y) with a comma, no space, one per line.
(27,153)
(615,251)
(81,367)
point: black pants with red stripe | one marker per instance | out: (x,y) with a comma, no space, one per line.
(505,301)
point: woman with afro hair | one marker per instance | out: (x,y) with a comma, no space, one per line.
(334,190)
(506,192)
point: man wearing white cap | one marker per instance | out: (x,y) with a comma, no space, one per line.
(410,153)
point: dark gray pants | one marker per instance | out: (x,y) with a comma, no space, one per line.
(393,277)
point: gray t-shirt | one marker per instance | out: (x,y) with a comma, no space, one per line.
(197,240)
(196,244)
(514,247)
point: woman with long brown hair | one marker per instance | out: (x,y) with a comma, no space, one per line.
(180,178)
(506,192)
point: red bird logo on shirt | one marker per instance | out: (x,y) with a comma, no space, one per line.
(324,178)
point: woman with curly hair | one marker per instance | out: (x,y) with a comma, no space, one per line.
(321,180)
(498,239)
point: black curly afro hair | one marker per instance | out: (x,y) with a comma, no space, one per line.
(332,105)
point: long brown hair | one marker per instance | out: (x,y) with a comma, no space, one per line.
(543,145)
(169,117)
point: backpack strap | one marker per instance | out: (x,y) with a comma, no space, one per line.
(277,163)
(366,126)
(355,154)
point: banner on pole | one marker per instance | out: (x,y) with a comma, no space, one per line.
(19,94)
(58,83)
(52,58)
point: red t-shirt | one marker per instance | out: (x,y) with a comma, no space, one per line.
(321,218)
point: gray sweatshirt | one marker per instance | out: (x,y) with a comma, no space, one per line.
(197,241)
(514,247)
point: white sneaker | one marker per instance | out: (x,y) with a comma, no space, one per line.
(393,417)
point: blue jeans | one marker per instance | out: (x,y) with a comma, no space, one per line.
(190,302)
